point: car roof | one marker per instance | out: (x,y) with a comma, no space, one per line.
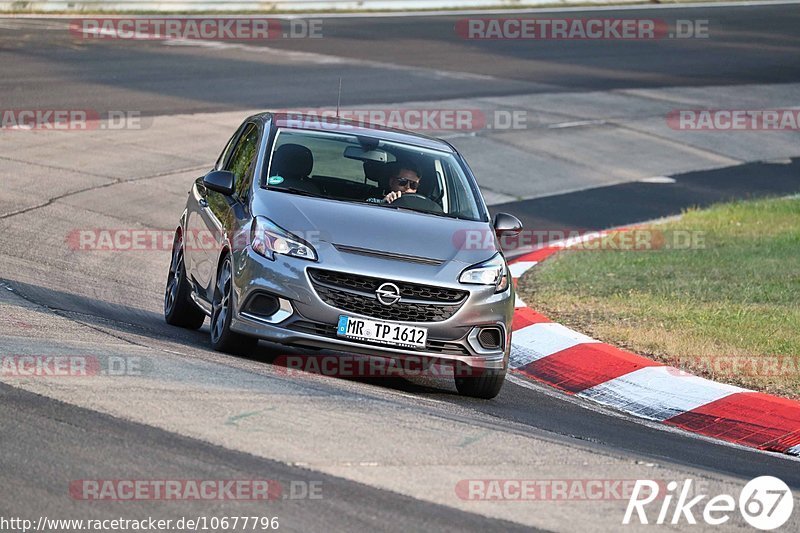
(302,121)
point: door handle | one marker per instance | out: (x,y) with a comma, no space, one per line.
(203,202)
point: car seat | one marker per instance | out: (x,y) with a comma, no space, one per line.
(294,163)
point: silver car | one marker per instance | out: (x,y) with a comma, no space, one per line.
(348,237)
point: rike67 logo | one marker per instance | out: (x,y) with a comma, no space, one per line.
(765,503)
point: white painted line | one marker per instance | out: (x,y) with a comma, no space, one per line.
(575,124)
(658,426)
(519,302)
(294,55)
(518,269)
(658,179)
(536,341)
(631,6)
(658,392)
(520,357)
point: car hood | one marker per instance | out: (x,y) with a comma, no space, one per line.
(379,229)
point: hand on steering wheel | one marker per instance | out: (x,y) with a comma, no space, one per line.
(394,195)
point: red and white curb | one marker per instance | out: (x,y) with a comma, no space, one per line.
(579,365)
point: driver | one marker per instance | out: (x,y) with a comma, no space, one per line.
(404,178)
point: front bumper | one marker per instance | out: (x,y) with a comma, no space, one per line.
(312,322)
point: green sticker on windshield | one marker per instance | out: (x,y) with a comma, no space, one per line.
(275,180)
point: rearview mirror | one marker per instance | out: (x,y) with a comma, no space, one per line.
(356,152)
(505,224)
(220,181)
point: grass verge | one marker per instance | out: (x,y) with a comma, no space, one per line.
(724,303)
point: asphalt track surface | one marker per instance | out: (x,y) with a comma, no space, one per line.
(53,68)
(629,203)
(47,442)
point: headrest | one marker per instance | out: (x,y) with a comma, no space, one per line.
(292,161)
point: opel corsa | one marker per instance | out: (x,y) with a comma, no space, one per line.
(290,238)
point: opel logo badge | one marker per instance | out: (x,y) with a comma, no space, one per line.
(388,294)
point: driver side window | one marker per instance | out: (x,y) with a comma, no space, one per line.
(226,151)
(244,159)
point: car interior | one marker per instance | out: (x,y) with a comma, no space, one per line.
(295,163)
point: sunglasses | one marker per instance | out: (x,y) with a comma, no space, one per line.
(407,182)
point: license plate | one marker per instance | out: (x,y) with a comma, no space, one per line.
(382,332)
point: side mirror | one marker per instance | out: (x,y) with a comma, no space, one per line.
(220,181)
(505,224)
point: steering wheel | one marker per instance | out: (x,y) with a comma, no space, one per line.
(417,201)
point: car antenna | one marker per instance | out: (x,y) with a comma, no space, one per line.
(339,101)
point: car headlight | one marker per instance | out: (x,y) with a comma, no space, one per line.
(491,272)
(268,239)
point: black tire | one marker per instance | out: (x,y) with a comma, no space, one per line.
(179,309)
(222,338)
(486,385)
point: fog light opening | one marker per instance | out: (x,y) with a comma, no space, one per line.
(267,308)
(262,305)
(490,338)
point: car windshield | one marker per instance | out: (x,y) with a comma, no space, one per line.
(354,168)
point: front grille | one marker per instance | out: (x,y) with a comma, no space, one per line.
(446,348)
(314,328)
(364,305)
(356,294)
(343,280)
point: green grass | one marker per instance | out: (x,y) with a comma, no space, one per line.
(736,298)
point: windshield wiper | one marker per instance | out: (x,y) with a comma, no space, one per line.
(422,211)
(295,190)
(398,207)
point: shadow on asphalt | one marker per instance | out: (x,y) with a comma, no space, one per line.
(130,320)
